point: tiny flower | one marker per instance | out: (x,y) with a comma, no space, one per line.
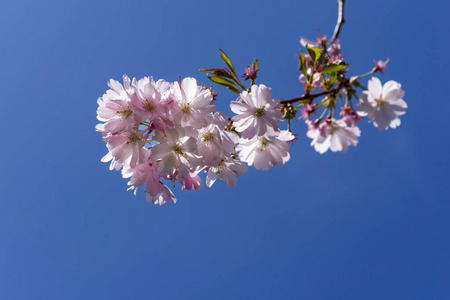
(383,104)
(257,112)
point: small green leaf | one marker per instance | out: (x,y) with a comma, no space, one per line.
(225,82)
(219,72)
(313,52)
(302,63)
(255,64)
(334,67)
(227,61)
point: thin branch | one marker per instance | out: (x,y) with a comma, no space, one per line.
(310,96)
(344,83)
(340,20)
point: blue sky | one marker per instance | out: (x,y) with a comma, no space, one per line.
(368,224)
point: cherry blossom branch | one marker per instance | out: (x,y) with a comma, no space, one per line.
(340,20)
(312,96)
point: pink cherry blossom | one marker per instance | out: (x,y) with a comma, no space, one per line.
(257,112)
(176,151)
(126,148)
(307,111)
(193,103)
(350,117)
(190,182)
(226,171)
(149,101)
(114,107)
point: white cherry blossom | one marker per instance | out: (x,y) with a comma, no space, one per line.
(333,134)
(383,104)
(266,151)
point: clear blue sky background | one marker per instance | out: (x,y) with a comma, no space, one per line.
(372,223)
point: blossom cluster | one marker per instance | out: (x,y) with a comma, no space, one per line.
(158,131)
(382,104)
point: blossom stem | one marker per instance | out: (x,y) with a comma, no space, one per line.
(323,113)
(340,20)
(354,78)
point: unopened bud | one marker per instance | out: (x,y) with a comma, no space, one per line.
(250,73)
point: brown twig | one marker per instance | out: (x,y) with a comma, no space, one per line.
(340,20)
(312,96)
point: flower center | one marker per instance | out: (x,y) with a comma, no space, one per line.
(186,109)
(207,137)
(263,142)
(259,112)
(149,105)
(178,149)
(126,113)
(133,138)
(380,102)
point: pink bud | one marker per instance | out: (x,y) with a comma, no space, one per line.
(380,65)
(250,73)
(307,111)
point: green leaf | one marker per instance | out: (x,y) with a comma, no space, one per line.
(218,72)
(334,67)
(255,64)
(313,52)
(225,82)
(227,61)
(302,63)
